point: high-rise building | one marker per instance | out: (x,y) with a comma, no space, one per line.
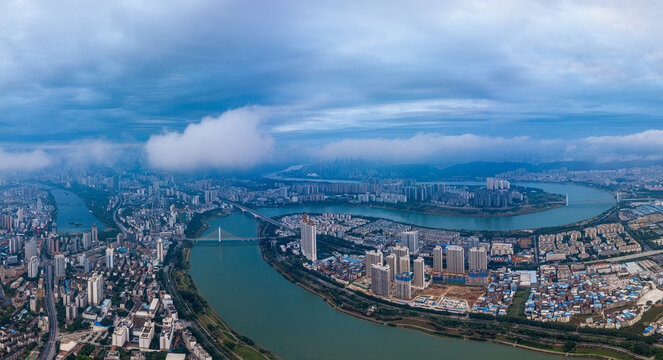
(19,216)
(411,240)
(30,249)
(380,282)
(477,259)
(160,252)
(95,236)
(473,241)
(15,245)
(95,289)
(418,279)
(110,258)
(33,267)
(373,257)
(59,266)
(437,259)
(7,222)
(455,259)
(400,251)
(403,264)
(403,286)
(309,243)
(87,240)
(392,263)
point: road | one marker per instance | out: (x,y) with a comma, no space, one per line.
(628,257)
(195,323)
(49,347)
(117,220)
(256,214)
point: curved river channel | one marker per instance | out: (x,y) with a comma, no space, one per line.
(296,324)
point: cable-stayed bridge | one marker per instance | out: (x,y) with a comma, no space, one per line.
(225,239)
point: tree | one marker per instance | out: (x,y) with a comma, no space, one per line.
(569,346)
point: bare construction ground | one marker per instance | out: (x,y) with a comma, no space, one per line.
(468,293)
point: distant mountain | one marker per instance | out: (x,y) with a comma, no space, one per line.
(363,170)
(483,169)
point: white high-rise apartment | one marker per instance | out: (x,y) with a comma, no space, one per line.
(59,266)
(392,263)
(33,267)
(110,258)
(478,259)
(400,251)
(411,240)
(381,282)
(95,289)
(372,258)
(437,259)
(418,279)
(30,249)
(160,252)
(87,240)
(308,243)
(403,264)
(403,286)
(455,259)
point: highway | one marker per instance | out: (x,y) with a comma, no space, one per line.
(117,220)
(49,347)
(256,214)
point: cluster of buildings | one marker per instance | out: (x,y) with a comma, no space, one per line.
(454,277)
(604,240)
(601,296)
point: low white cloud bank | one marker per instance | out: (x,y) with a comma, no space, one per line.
(89,152)
(427,147)
(233,140)
(434,147)
(24,160)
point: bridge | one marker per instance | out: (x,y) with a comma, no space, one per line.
(257,215)
(220,239)
(617,198)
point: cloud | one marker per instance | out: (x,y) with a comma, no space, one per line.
(76,69)
(438,148)
(24,161)
(233,140)
(428,148)
(91,152)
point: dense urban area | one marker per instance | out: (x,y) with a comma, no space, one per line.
(118,287)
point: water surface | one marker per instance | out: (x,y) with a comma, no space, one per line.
(584,203)
(73,215)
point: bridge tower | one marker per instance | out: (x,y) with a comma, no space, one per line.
(219,234)
(618,197)
(567,199)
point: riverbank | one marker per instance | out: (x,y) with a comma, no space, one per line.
(200,222)
(538,201)
(560,340)
(584,203)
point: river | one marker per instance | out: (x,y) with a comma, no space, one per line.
(584,203)
(73,215)
(296,324)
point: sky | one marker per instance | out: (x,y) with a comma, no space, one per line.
(225,84)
